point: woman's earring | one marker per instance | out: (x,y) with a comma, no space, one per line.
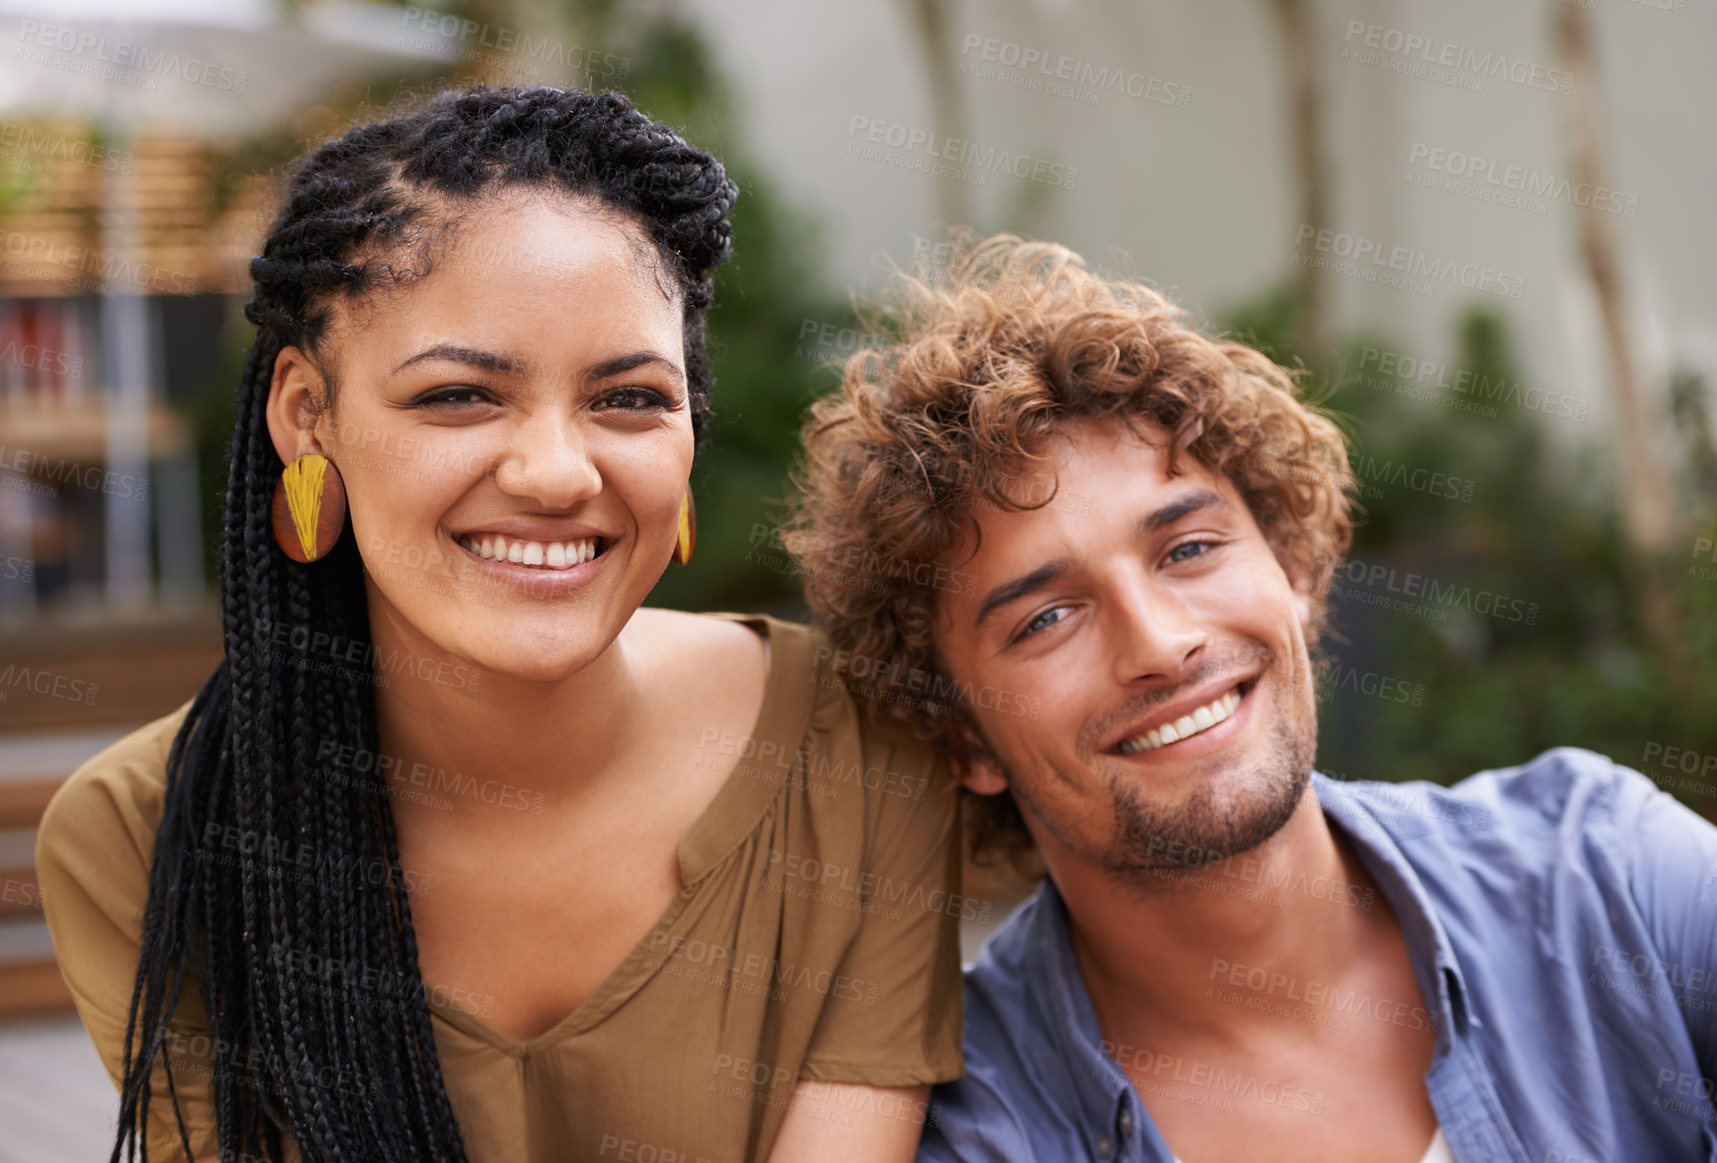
(309,509)
(688,533)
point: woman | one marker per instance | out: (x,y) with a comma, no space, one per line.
(467,855)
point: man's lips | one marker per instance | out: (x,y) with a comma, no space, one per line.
(1184,718)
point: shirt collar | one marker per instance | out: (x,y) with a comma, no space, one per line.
(1433,955)
(1095,1086)
(1098,1089)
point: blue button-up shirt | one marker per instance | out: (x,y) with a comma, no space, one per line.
(1561,917)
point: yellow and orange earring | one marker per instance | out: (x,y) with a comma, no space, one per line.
(309,508)
(688,533)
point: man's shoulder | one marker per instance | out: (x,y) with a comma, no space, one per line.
(1560,788)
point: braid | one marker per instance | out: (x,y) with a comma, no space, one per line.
(278,935)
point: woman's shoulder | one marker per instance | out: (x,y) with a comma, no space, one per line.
(108,810)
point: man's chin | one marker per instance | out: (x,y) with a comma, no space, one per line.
(1208,826)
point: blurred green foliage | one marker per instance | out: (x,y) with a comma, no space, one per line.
(1531,636)
(767,297)
(1531,639)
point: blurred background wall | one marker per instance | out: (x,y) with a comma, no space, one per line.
(1481,230)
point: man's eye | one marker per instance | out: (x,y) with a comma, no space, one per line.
(1042,621)
(1183,552)
(633,400)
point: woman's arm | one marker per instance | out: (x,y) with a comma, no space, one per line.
(839,1122)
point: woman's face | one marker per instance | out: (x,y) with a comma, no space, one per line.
(514,435)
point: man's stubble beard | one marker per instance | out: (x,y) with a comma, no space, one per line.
(1151,842)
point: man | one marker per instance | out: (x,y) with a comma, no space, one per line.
(1131,531)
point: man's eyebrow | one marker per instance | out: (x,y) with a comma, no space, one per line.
(488,361)
(1028,584)
(621,364)
(1191,503)
(1024,586)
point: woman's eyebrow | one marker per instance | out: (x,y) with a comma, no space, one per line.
(621,364)
(488,361)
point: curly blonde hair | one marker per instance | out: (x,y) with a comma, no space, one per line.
(978,366)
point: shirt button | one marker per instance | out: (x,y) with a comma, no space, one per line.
(1105,1146)
(1126,1124)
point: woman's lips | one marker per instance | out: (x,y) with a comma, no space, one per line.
(547,555)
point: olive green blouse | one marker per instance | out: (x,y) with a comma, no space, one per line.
(815,937)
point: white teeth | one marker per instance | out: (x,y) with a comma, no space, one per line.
(536,554)
(1202,719)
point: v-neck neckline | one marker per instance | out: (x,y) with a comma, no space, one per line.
(729,817)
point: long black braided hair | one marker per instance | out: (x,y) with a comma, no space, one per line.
(275,883)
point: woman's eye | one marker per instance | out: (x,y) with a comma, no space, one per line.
(453,396)
(1183,552)
(633,400)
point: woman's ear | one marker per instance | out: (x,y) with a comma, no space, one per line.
(296,395)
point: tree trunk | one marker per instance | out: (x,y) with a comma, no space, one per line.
(1311,167)
(947,111)
(1648,496)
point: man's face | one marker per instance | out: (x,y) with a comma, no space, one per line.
(1149,620)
